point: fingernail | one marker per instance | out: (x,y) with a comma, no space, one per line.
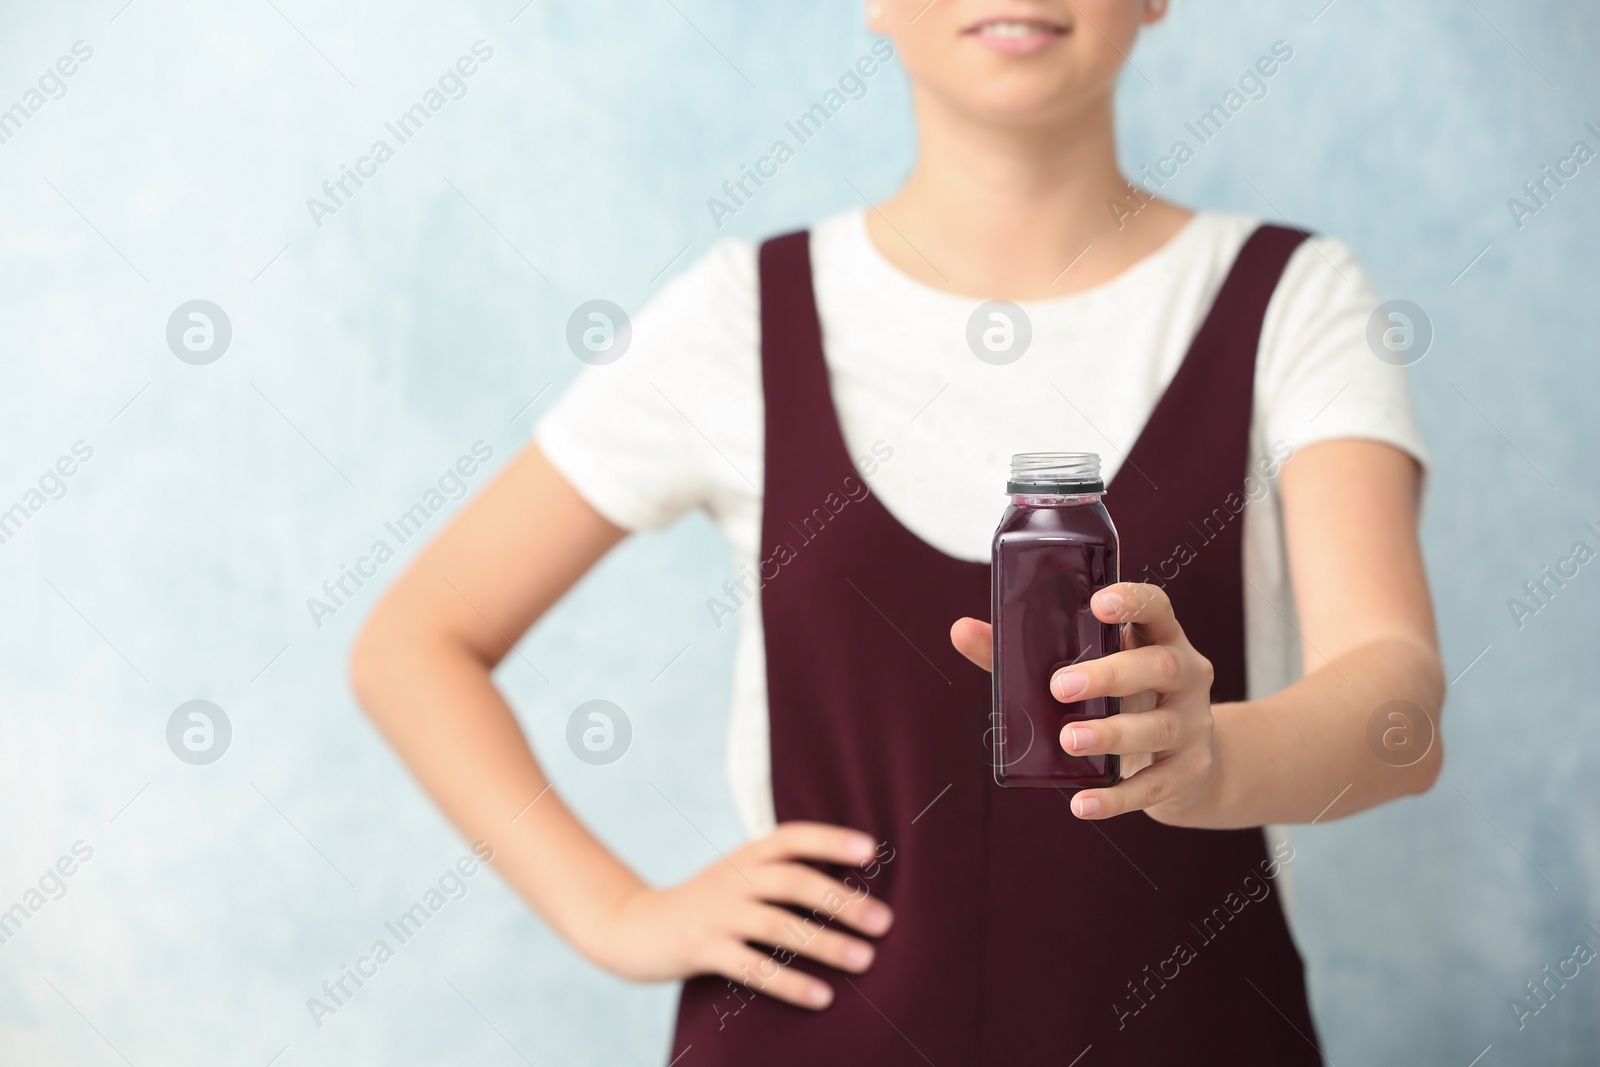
(857,956)
(1079,738)
(1068,684)
(1109,602)
(1084,807)
(819,996)
(864,848)
(877,919)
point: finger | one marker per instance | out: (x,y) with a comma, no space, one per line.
(974,640)
(826,898)
(1130,733)
(815,841)
(760,973)
(1162,668)
(806,936)
(1155,784)
(1142,604)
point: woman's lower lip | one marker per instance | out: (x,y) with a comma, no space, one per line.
(1026,45)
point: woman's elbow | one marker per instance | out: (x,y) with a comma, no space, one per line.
(1425,775)
(362,669)
(1427,729)
(370,668)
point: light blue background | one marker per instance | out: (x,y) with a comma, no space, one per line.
(416,321)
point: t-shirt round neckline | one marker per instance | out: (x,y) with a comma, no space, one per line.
(867,254)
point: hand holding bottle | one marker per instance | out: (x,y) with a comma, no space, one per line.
(1164,733)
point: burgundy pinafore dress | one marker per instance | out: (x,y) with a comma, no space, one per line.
(1022,934)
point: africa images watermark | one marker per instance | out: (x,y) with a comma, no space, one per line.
(452,85)
(1400,733)
(1252,890)
(52,85)
(1212,526)
(339,991)
(599,732)
(338,591)
(1542,188)
(852,86)
(1251,86)
(1547,586)
(752,580)
(1544,988)
(199,732)
(51,486)
(52,886)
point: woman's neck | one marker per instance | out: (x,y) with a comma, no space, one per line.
(1018,213)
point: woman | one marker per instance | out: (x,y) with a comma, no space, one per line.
(893,904)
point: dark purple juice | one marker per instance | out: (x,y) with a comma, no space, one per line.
(1054,548)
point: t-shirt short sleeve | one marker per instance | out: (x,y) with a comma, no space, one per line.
(662,430)
(1318,378)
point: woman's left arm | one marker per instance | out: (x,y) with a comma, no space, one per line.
(1367,641)
(1310,751)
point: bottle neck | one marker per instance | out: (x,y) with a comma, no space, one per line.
(1054,500)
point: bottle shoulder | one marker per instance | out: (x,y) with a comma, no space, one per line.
(1079,522)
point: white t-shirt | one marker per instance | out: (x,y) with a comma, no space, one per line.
(677,422)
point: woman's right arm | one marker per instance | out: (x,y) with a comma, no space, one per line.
(421,668)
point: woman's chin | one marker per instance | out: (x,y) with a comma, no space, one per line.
(1019,103)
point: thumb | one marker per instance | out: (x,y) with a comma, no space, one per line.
(974,640)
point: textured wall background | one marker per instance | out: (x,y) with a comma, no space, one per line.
(426,314)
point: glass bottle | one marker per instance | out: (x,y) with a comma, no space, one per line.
(1055,546)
